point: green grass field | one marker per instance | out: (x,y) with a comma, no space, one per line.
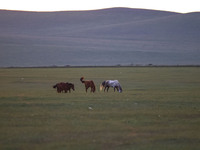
(159,109)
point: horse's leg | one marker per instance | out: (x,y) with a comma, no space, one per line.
(116,88)
(58,90)
(93,90)
(86,89)
(107,88)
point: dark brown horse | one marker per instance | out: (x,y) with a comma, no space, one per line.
(64,87)
(88,84)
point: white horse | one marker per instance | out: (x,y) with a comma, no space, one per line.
(111,83)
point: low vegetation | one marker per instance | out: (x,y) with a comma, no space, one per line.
(159,108)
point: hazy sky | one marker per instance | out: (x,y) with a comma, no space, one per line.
(61,5)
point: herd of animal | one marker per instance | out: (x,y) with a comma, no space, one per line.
(65,87)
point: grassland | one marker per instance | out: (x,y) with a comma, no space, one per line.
(159,109)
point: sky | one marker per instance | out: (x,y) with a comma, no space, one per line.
(182,6)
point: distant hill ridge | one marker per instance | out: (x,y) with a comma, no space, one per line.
(99,37)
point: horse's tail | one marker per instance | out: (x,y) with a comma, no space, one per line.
(93,86)
(81,79)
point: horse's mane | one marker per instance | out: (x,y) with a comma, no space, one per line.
(81,79)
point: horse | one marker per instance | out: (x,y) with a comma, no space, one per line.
(59,87)
(88,84)
(64,87)
(70,86)
(111,83)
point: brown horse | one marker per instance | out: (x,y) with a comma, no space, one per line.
(88,84)
(64,87)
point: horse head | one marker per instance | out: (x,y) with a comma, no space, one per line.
(102,85)
(120,89)
(55,86)
(81,79)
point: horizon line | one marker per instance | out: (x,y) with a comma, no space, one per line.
(82,10)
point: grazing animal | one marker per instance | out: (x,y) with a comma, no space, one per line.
(64,87)
(111,83)
(68,87)
(88,84)
(59,87)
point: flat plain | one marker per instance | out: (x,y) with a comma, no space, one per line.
(159,108)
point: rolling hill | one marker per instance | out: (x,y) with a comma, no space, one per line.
(99,37)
